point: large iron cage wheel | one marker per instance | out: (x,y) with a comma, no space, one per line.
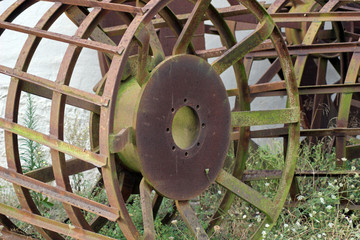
(166,118)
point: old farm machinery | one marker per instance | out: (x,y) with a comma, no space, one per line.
(162,122)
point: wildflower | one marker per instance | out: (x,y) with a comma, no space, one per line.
(250,225)
(353,168)
(346,210)
(174,222)
(320,193)
(300,197)
(331,225)
(263,233)
(171,238)
(322,200)
(333,196)
(341,185)
(352,196)
(267,184)
(267,225)
(219,192)
(356,175)
(217,228)
(285,225)
(352,186)
(244,216)
(298,223)
(310,214)
(319,235)
(328,207)
(343,159)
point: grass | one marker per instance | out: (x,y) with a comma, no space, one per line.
(316,216)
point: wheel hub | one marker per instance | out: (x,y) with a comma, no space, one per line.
(182,127)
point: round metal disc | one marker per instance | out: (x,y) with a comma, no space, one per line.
(182,172)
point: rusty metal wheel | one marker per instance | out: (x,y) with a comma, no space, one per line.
(324,38)
(163,120)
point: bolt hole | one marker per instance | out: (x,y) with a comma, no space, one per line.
(185,100)
(203,125)
(197,106)
(186,154)
(173,110)
(167,129)
(198,144)
(173,148)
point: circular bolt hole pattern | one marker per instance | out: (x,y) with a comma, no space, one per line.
(197,106)
(203,125)
(173,148)
(185,100)
(167,129)
(173,110)
(186,154)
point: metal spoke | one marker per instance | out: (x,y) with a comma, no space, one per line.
(146,207)
(253,118)
(238,51)
(191,26)
(245,192)
(191,220)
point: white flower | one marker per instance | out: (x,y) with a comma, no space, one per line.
(285,225)
(217,228)
(171,238)
(300,197)
(356,175)
(329,207)
(267,225)
(219,192)
(352,186)
(343,159)
(353,168)
(310,214)
(320,193)
(335,181)
(322,200)
(333,196)
(267,184)
(319,235)
(244,216)
(174,222)
(352,196)
(298,223)
(324,234)
(263,233)
(331,225)
(341,185)
(346,210)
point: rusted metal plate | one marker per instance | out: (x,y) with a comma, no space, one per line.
(182,173)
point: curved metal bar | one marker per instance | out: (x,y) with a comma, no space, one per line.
(12,104)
